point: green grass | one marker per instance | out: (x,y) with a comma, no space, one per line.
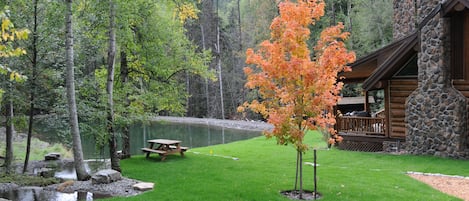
(264,169)
(27,180)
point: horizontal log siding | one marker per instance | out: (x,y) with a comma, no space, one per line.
(399,91)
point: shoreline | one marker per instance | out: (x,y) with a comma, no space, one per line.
(233,124)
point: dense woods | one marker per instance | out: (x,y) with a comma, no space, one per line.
(141,58)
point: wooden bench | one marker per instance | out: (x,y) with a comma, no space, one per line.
(148,151)
(183,149)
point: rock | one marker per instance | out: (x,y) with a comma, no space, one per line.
(5,187)
(46,172)
(3,199)
(143,186)
(119,154)
(52,156)
(106,176)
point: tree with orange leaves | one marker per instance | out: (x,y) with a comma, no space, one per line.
(297,90)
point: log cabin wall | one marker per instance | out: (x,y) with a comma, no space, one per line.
(460,55)
(398,90)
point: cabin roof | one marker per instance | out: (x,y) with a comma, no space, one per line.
(363,67)
(454,5)
(381,63)
(385,62)
(400,55)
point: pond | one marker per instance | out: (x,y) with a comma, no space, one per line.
(191,135)
(38,194)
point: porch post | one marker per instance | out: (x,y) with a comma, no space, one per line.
(367,102)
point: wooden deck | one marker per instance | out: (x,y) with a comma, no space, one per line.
(361,133)
(361,126)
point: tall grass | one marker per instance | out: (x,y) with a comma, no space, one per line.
(263,169)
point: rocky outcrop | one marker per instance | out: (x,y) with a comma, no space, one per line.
(106,176)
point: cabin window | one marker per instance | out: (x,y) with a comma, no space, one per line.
(460,45)
(410,68)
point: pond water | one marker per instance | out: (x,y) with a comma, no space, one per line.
(65,171)
(191,135)
(38,194)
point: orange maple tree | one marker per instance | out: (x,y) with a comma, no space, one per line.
(297,90)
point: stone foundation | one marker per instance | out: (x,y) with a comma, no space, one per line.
(393,146)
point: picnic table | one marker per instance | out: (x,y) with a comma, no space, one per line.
(163,147)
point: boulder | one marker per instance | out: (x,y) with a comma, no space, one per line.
(46,172)
(106,176)
(52,156)
(143,186)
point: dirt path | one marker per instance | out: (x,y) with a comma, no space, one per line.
(457,186)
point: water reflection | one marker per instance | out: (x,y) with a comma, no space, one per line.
(67,171)
(39,194)
(191,135)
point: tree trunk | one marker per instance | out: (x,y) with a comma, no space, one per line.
(9,133)
(239,27)
(333,14)
(220,81)
(125,130)
(72,107)
(109,87)
(188,90)
(296,171)
(32,88)
(349,21)
(207,95)
(301,174)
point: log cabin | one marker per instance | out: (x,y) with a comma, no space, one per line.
(424,74)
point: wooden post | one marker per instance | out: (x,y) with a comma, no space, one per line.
(366,107)
(387,109)
(315,179)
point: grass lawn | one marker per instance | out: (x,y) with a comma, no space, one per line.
(264,169)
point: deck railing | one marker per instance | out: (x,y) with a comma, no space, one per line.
(361,125)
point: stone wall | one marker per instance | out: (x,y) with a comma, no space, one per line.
(436,113)
(394,147)
(404,18)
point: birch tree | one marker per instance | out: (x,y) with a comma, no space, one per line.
(72,106)
(109,87)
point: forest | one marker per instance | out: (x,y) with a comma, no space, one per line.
(119,62)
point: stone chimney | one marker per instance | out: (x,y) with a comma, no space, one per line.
(404,19)
(436,113)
